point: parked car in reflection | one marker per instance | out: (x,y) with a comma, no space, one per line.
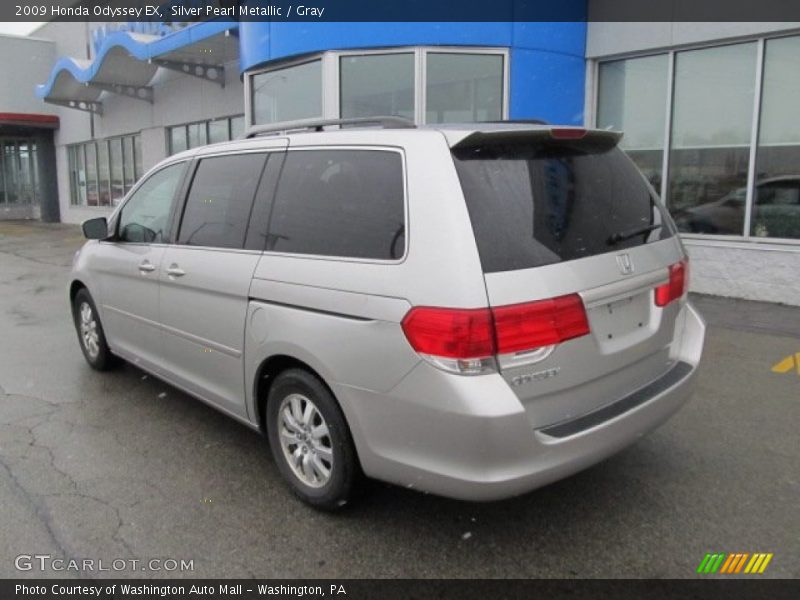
(776,211)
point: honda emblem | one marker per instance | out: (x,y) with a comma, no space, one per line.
(625,263)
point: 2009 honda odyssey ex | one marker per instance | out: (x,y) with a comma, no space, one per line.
(473,311)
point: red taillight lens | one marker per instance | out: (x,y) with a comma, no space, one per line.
(542,323)
(465,333)
(450,332)
(678,280)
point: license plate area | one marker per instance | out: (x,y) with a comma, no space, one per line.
(621,318)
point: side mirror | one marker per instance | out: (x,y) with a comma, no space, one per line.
(95,229)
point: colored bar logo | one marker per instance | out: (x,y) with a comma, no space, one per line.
(734,564)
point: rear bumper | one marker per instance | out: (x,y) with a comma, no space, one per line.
(469,437)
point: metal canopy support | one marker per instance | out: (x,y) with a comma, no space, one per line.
(212,73)
(131,91)
(84,105)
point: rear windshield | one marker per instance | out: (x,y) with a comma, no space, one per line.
(543,202)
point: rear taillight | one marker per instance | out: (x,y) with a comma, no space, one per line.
(456,340)
(535,324)
(466,340)
(677,285)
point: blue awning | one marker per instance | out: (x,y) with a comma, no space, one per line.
(126,63)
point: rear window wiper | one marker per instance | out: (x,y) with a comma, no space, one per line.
(616,238)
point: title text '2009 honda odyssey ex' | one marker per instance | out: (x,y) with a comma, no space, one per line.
(473,311)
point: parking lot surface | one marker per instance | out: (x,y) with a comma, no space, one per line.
(119,465)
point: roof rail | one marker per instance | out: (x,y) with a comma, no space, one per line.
(320,124)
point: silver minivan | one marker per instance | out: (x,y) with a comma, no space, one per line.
(469,310)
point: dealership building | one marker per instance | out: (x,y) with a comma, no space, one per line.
(708,109)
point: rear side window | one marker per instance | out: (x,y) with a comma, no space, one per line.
(543,202)
(347,203)
(220,199)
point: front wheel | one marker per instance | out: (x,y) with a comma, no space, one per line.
(90,332)
(310,440)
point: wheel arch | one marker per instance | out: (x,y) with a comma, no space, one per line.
(74,288)
(266,373)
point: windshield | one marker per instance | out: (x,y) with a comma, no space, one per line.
(543,202)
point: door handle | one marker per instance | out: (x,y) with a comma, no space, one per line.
(146,267)
(175,271)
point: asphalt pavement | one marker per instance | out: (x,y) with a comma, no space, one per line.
(120,466)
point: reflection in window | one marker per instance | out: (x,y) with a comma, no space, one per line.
(631,98)
(463,87)
(378,84)
(288,94)
(711,131)
(776,209)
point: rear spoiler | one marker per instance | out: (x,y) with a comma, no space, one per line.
(516,135)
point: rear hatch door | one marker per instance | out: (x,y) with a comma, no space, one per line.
(561,212)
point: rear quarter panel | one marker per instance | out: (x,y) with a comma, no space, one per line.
(342,316)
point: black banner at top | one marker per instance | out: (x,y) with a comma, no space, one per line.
(401,10)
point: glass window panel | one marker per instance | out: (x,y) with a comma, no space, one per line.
(237,127)
(776,208)
(92,193)
(631,97)
(72,166)
(146,215)
(117,177)
(137,156)
(463,87)
(11,171)
(2,177)
(533,204)
(127,157)
(219,202)
(340,203)
(80,156)
(218,131)
(103,175)
(196,135)
(379,84)
(34,172)
(711,129)
(288,94)
(177,139)
(25,185)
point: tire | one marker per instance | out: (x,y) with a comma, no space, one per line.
(91,336)
(308,435)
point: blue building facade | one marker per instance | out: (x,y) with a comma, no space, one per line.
(546,60)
